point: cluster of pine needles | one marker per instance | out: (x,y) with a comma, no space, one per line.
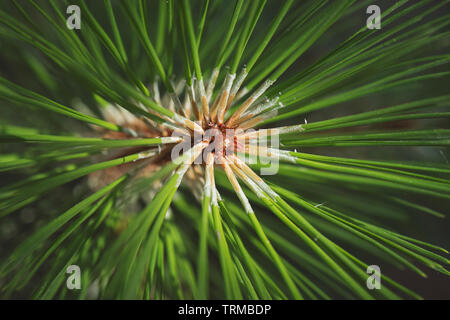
(91,119)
